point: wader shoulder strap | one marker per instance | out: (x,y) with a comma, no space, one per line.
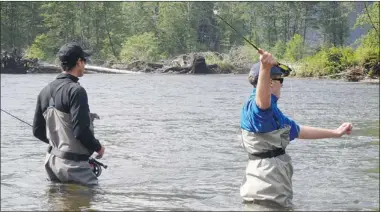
(54,151)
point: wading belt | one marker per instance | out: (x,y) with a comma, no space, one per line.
(67,155)
(268,154)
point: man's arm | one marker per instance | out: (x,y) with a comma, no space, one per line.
(79,110)
(307,132)
(39,124)
(263,95)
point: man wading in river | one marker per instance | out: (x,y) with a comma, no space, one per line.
(62,120)
(266,132)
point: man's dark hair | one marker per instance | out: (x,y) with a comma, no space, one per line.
(68,66)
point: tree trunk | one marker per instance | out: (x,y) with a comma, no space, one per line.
(12,24)
(370,19)
(155,17)
(108,31)
(305,22)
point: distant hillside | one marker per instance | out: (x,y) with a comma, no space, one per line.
(313,37)
(357,32)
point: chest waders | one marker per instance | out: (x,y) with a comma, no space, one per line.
(268,176)
(66,159)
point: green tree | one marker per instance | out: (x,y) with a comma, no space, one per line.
(368,52)
(295,48)
(140,47)
(172,27)
(333,21)
(279,49)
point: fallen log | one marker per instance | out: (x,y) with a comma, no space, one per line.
(99,69)
(51,68)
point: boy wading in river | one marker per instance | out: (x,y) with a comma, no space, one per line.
(266,132)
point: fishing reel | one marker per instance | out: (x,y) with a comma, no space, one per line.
(97,166)
(285,69)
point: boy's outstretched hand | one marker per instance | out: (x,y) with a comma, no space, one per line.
(345,128)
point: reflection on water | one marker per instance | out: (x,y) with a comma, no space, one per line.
(375,170)
(69,197)
(264,206)
(368,128)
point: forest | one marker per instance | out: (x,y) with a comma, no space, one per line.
(312,36)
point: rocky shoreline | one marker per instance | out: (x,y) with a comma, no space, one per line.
(193,63)
(184,64)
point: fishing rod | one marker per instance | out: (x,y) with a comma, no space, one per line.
(285,69)
(16,117)
(96,165)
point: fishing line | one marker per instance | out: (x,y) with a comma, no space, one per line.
(16,117)
(215,13)
(285,69)
(292,101)
(96,165)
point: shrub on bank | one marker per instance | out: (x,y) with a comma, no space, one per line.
(42,48)
(368,55)
(327,61)
(140,47)
(239,59)
(294,49)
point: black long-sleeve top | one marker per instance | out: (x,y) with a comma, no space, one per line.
(71,98)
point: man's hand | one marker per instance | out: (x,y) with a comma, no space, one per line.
(345,128)
(93,116)
(267,60)
(100,153)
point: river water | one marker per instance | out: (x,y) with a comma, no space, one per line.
(172,143)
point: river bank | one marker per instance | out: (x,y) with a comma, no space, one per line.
(366,80)
(192,63)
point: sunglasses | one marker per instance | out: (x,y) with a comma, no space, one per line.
(279,79)
(83,59)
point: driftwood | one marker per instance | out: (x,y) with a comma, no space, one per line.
(182,64)
(50,68)
(199,66)
(353,74)
(193,63)
(14,63)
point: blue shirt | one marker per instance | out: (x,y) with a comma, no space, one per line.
(254,119)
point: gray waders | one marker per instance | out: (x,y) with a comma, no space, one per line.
(67,159)
(268,176)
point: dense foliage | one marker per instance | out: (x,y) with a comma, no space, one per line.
(126,31)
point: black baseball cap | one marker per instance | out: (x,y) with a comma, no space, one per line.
(275,71)
(71,52)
